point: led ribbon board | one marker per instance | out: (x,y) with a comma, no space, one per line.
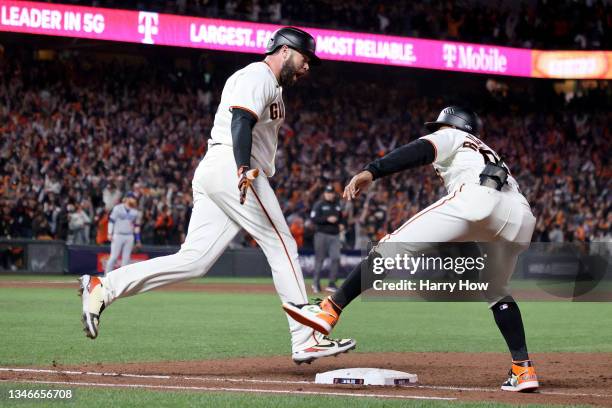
(238,36)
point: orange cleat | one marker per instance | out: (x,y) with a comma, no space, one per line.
(321,316)
(522,377)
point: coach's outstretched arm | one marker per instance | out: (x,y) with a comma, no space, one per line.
(414,154)
(243,122)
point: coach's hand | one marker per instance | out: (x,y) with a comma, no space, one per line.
(246,176)
(359,183)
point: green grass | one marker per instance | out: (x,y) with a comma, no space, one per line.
(517,284)
(108,398)
(39,326)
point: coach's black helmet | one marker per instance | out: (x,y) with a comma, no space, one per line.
(460,118)
(294,38)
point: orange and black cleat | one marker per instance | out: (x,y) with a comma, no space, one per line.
(522,377)
(321,316)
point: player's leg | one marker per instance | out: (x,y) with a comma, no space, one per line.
(115,250)
(126,252)
(262,217)
(515,224)
(320,252)
(210,232)
(507,315)
(306,344)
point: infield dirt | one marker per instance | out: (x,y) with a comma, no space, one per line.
(566,378)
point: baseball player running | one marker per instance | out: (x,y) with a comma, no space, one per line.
(123,230)
(483,204)
(230,194)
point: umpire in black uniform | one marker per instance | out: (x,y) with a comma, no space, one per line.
(327,217)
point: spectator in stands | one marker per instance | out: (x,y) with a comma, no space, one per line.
(163,226)
(78,222)
(101,223)
(41,227)
(6,221)
(296,226)
(111,196)
(21,217)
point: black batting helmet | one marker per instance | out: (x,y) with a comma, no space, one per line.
(458,117)
(294,38)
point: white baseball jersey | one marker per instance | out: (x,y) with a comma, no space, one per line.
(217,214)
(470,212)
(255,89)
(461,157)
(123,219)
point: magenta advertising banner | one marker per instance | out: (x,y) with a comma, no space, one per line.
(238,36)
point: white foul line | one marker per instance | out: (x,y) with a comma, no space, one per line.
(36,370)
(34,282)
(226,389)
(251,380)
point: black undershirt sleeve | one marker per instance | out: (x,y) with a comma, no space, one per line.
(242,136)
(416,153)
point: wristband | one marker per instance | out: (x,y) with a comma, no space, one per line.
(243,169)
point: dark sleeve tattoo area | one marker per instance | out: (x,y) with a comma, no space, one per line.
(242,136)
(416,153)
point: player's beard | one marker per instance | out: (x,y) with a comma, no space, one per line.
(288,74)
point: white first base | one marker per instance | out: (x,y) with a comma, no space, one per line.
(365,376)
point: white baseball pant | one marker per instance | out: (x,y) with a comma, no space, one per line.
(216,219)
(471,213)
(120,244)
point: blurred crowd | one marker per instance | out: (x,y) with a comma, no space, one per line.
(77,134)
(543,24)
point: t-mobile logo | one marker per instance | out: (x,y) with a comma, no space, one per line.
(147,25)
(449,55)
(474,58)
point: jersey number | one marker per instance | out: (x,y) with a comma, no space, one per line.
(488,155)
